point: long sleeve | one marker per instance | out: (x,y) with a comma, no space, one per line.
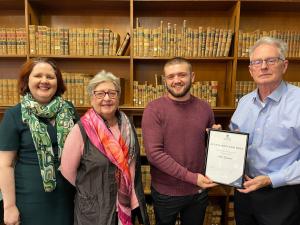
(73,150)
(154,147)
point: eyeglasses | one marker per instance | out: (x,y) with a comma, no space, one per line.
(101,94)
(269,61)
(179,75)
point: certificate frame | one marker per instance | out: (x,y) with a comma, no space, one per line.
(226,154)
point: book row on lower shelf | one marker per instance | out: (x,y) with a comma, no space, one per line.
(213,215)
(145,93)
(76,84)
(291,38)
(244,87)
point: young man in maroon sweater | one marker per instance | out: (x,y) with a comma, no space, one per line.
(174,128)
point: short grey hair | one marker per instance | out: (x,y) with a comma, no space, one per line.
(279,44)
(102,77)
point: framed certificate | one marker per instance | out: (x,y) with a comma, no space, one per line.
(226,157)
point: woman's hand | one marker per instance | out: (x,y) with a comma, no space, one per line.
(11,215)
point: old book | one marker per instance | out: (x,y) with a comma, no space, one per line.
(124,45)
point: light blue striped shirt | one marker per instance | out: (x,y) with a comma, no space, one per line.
(274,128)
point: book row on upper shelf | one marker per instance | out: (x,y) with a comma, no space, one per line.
(185,42)
(13,41)
(157,42)
(247,39)
(45,40)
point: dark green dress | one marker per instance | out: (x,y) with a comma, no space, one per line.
(36,206)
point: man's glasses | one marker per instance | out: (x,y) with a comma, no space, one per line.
(269,61)
(101,94)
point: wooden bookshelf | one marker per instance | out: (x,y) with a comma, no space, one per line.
(121,16)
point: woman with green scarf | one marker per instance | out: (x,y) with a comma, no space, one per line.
(32,138)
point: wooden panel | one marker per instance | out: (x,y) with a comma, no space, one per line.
(243,73)
(10,67)
(12,18)
(92,14)
(196,13)
(270,15)
(292,73)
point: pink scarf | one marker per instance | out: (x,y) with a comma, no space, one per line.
(119,152)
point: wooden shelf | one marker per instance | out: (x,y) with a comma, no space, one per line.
(192,59)
(221,5)
(12,56)
(83,57)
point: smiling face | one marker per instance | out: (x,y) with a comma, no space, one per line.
(42,83)
(267,75)
(106,106)
(178,80)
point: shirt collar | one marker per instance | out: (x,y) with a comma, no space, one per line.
(275,95)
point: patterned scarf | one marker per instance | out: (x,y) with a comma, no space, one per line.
(119,152)
(64,115)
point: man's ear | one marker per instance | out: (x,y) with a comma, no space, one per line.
(193,76)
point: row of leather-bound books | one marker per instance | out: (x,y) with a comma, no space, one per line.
(247,39)
(143,93)
(13,41)
(171,40)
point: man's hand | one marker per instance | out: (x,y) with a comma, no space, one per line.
(205,182)
(217,126)
(253,184)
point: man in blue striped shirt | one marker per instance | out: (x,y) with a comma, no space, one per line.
(271,115)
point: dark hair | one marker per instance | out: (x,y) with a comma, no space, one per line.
(27,69)
(178,60)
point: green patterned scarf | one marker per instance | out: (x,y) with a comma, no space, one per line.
(64,115)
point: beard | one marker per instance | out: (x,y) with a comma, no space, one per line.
(180,94)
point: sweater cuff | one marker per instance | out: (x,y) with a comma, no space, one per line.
(191,178)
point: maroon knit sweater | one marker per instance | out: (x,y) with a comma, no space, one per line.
(174,140)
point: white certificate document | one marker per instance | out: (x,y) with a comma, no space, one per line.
(226,157)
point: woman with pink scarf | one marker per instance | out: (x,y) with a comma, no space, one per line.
(101,159)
